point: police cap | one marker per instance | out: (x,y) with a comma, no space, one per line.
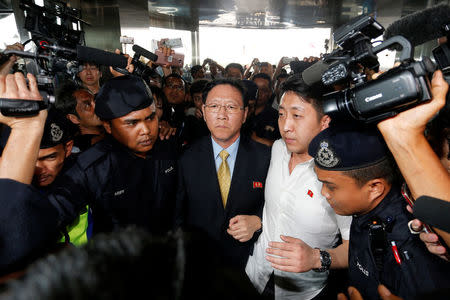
(58,129)
(343,148)
(121,95)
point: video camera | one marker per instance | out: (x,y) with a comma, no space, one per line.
(58,38)
(370,100)
(55,31)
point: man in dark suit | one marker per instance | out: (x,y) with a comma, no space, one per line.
(224,196)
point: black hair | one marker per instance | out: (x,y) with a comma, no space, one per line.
(263,76)
(65,100)
(385,169)
(282,75)
(195,69)
(198,86)
(173,75)
(311,94)
(235,65)
(237,84)
(134,264)
(82,63)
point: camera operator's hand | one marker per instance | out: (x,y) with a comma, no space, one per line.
(14,86)
(15,46)
(6,67)
(21,151)
(404,135)
(129,68)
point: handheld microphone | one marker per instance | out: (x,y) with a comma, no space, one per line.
(421,26)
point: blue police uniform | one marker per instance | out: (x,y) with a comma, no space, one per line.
(381,249)
(414,272)
(120,187)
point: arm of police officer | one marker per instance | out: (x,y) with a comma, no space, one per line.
(354,294)
(242,227)
(297,256)
(419,165)
(21,151)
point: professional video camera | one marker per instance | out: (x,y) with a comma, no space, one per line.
(369,101)
(55,30)
(58,38)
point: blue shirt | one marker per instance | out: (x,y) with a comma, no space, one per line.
(232,150)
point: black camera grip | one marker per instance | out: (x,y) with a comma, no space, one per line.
(21,107)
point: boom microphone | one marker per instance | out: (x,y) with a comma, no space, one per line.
(421,26)
(433,211)
(313,74)
(141,51)
(101,57)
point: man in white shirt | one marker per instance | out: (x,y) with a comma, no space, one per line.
(300,229)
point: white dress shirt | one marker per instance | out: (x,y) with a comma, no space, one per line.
(294,207)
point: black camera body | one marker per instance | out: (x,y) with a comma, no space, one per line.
(366,100)
(396,90)
(442,53)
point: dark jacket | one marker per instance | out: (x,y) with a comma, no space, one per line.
(120,187)
(199,203)
(419,271)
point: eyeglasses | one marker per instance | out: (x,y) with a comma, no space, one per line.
(229,108)
(175,87)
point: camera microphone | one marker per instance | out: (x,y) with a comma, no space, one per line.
(314,73)
(147,54)
(101,57)
(421,26)
(433,211)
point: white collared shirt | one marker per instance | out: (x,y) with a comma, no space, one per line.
(294,207)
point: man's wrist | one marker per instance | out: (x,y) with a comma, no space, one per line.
(325,261)
(316,259)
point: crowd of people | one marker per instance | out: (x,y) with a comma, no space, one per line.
(235,184)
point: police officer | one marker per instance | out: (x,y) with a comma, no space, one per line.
(358,179)
(54,157)
(126,178)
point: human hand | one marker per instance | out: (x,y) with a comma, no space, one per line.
(282,63)
(129,67)
(415,119)
(431,240)
(198,113)
(165,130)
(17,47)
(354,294)
(295,255)
(242,227)
(14,86)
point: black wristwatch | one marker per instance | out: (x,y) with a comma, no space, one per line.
(325,259)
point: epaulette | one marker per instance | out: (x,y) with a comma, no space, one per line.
(93,154)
